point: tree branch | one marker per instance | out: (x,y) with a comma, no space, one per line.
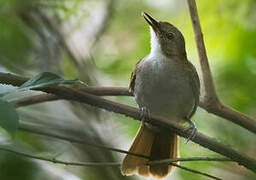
(11,79)
(27,128)
(211,102)
(231,115)
(32,129)
(207,77)
(53,160)
(99,91)
(43,132)
(93,164)
(196,172)
(134,113)
(220,109)
(26,101)
(203,140)
(188,160)
(223,111)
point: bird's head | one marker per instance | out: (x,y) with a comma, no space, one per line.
(165,38)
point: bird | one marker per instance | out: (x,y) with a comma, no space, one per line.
(164,83)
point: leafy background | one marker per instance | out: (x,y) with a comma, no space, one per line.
(99,42)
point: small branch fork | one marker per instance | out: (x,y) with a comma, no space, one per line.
(211,102)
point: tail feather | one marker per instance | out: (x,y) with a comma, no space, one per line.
(150,142)
(141,145)
(175,153)
(161,149)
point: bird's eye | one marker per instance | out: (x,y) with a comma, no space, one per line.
(169,35)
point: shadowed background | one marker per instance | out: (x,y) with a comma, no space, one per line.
(99,42)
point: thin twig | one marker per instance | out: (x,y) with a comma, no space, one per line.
(188,159)
(92,164)
(53,160)
(195,171)
(34,130)
(40,131)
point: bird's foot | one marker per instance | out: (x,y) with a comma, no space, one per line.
(144,115)
(193,130)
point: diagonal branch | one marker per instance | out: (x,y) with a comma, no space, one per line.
(30,100)
(194,171)
(211,102)
(99,91)
(219,109)
(203,140)
(222,111)
(210,92)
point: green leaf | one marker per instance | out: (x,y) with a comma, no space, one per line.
(9,118)
(47,79)
(44,79)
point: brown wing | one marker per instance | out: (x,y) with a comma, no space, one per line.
(195,84)
(133,75)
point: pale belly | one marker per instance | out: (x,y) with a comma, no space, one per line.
(164,90)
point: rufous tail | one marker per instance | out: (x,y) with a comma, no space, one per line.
(154,143)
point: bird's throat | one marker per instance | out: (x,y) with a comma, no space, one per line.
(156,50)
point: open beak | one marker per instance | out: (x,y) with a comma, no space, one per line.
(152,22)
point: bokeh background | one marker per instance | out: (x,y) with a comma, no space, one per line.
(99,42)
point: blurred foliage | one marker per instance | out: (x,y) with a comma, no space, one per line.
(9,117)
(10,166)
(57,36)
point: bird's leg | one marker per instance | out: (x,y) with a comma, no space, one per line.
(193,129)
(144,115)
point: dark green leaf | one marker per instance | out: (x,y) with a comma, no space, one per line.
(44,79)
(9,119)
(47,79)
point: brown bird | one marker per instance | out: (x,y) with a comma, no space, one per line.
(165,84)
